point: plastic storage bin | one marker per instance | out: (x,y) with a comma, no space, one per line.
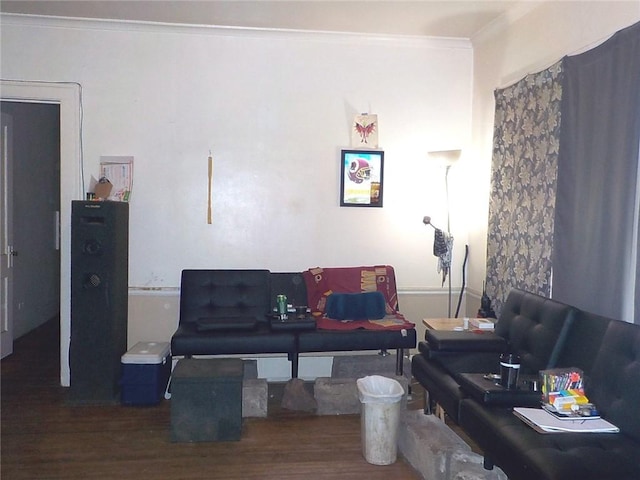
(380,418)
(146,368)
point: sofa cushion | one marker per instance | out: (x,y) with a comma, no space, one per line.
(584,341)
(188,340)
(614,383)
(444,340)
(347,340)
(226,323)
(355,306)
(535,328)
(290,284)
(224,294)
(524,454)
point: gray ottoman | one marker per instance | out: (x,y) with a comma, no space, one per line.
(206,400)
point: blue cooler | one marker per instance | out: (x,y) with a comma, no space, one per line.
(146,368)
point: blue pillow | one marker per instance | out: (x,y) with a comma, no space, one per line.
(355,306)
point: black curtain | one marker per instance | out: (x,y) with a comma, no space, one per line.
(595,252)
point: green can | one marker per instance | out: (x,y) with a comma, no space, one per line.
(282,304)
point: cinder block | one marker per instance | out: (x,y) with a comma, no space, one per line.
(357,366)
(468,466)
(336,396)
(437,453)
(250,368)
(339,396)
(255,395)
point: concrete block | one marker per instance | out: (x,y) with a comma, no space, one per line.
(357,366)
(437,453)
(339,396)
(250,368)
(468,466)
(255,395)
(336,396)
(296,396)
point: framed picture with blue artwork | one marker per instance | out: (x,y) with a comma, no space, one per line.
(361,178)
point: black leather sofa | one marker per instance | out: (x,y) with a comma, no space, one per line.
(545,334)
(224,312)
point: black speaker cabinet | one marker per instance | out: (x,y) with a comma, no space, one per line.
(99,299)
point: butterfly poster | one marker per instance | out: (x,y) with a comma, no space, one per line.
(364,132)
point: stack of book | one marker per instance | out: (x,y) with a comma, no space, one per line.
(481,324)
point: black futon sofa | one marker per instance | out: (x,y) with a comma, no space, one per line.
(545,334)
(225,312)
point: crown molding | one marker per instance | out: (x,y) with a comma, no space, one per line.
(69,23)
(505,20)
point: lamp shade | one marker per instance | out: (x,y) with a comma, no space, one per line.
(444,158)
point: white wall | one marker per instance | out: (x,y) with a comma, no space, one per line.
(529,41)
(274,108)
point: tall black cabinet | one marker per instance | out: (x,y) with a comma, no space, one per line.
(99,299)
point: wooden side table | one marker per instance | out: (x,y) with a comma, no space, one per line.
(456,323)
(443,323)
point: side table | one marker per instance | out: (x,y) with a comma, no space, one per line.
(452,324)
(443,323)
(489,392)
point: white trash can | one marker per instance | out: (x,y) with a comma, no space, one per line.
(380,418)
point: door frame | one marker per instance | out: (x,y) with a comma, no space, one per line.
(7,243)
(69,96)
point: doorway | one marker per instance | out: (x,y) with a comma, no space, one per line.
(68,95)
(31,211)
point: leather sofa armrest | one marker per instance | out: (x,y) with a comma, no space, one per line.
(454,341)
(462,360)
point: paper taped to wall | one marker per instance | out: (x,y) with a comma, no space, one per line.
(119,171)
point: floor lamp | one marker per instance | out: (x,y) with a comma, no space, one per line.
(445,158)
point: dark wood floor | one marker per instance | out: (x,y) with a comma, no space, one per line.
(43,437)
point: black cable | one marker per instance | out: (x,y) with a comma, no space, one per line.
(464,264)
(80,117)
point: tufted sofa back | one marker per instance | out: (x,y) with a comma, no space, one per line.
(535,328)
(614,383)
(224,294)
(584,341)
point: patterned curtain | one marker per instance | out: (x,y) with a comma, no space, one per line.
(523,185)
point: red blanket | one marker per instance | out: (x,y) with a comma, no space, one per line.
(390,322)
(322,282)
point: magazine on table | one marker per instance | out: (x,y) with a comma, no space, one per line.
(545,422)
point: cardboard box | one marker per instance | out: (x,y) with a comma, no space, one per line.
(146,368)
